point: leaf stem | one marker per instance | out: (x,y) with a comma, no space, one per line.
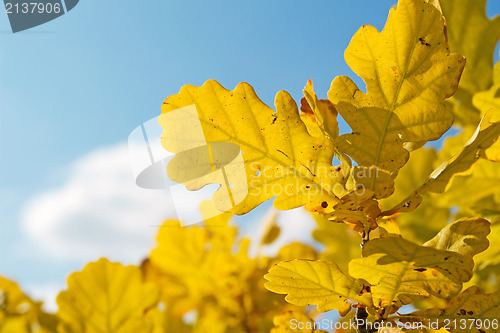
(361,314)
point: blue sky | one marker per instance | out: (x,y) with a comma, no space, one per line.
(84,81)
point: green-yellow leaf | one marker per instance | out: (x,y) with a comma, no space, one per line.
(401,271)
(279,157)
(408,72)
(477,311)
(466,236)
(472,34)
(106,298)
(320,283)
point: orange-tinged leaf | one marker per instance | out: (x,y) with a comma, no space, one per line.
(106,298)
(323,112)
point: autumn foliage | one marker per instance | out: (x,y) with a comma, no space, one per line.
(427,220)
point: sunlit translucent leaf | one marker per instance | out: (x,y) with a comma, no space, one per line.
(477,147)
(401,271)
(409,72)
(279,157)
(471,306)
(319,283)
(106,298)
(466,236)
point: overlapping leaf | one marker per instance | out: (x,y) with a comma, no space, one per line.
(471,311)
(319,283)
(425,221)
(478,147)
(280,157)
(473,34)
(401,271)
(107,298)
(466,236)
(409,72)
(319,115)
(204,268)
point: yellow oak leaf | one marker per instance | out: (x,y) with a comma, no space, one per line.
(439,181)
(207,127)
(321,283)
(471,311)
(466,236)
(106,297)
(408,72)
(401,271)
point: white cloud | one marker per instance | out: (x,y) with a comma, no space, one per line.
(98,211)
